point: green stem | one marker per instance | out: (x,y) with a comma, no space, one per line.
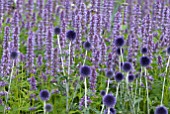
(107,89)
(9,86)
(85,84)
(147,92)
(44,107)
(163,87)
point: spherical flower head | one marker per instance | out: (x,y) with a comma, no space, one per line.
(168,50)
(14,55)
(161,110)
(87,45)
(44,95)
(112,111)
(144,50)
(118,51)
(71,35)
(57,30)
(144,61)
(131,78)
(48,107)
(102,92)
(85,71)
(119,77)
(127,66)
(109,73)
(109,100)
(119,42)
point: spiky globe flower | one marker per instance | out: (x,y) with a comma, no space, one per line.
(118,51)
(119,77)
(109,100)
(102,92)
(127,66)
(44,95)
(112,111)
(85,71)
(57,30)
(119,42)
(48,107)
(131,78)
(144,61)
(71,35)
(168,50)
(14,55)
(161,110)
(87,45)
(144,50)
(109,73)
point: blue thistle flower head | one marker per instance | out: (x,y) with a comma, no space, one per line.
(44,95)
(109,73)
(85,71)
(102,92)
(109,100)
(71,35)
(48,107)
(144,50)
(14,54)
(168,50)
(161,110)
(127,66)
(118,51)
(57,30)
(131,78)
(144,61)
(87,45)
(119,77)
(119,42)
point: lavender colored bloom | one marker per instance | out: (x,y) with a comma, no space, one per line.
(93,79)
(30,53)
(33,82)
(3,83)
(82,102)
(39,60)
(32,108)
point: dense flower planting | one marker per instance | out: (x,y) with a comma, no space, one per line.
(84,56)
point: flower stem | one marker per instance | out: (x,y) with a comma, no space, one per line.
(85,85)
(163,87)
(85,58)
(108,111)
(147,91)
(44,107)
(9,86)
(107,89)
